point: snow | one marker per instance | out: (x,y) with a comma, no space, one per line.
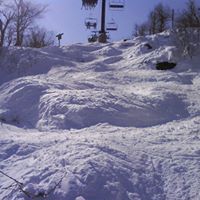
(98,121)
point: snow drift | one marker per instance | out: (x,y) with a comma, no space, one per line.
(98,121)
(80,86)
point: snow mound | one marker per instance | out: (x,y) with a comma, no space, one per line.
(34,103)
(19,101)
(78,109)
(98,121)
(78,86)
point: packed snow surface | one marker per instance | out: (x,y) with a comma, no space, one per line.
(99,122)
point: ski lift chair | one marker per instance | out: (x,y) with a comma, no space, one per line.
(116,4)
(111,26)
(91,23)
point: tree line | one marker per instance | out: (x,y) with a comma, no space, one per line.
(162,18)
(18,25)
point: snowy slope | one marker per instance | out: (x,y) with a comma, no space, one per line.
(98,121)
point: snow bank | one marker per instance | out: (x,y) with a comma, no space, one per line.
(95,122)
(81,85)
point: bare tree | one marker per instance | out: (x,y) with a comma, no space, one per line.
(158,21)
(190,17)
(18,27)
(25,14)
(141,30)
(7,16)
(9,35)
(39,37)
(159,18)
(152,22)
(164,15)
(187,32)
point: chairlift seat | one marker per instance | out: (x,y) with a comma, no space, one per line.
(112,26)
(116,4)
(91,23)
(111,29)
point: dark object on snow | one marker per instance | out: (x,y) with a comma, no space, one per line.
(165,65)
(148,46)
(93,37)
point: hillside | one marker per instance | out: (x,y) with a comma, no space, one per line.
(98,121)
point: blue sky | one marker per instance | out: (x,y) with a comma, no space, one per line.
(68,16)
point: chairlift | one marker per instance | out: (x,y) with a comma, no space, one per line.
(116,4)
(91,23)
(111,26)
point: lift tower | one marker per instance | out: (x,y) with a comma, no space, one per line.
(102,33)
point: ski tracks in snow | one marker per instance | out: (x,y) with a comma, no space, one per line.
(109,126)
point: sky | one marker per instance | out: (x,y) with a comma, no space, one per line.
(68,17)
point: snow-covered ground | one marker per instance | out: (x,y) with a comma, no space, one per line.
(99,122)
